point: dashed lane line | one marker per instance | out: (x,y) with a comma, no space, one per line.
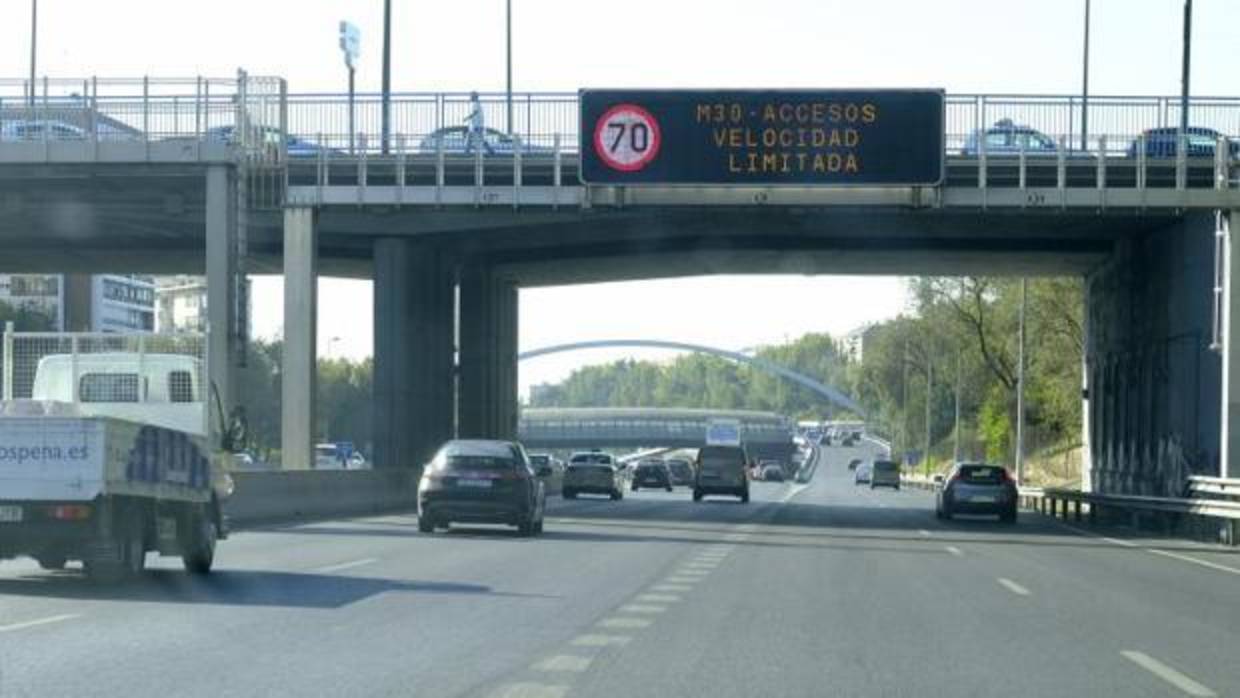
(1168,674)
(12,627)
(1013,587)
(340,567)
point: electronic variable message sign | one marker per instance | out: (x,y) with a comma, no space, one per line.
(762,137)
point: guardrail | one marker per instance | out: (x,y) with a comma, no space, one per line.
(1081,506)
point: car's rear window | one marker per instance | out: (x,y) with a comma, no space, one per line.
(591,459)
(468,462)
(885,466)
(540,460)
(981,474)
(722,457)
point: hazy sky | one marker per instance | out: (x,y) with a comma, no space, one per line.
(961,45)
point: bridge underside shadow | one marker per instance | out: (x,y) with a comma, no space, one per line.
(1158,400)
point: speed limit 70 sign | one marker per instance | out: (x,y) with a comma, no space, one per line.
(835,138)
(627,138)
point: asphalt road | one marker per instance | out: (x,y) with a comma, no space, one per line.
(824,589)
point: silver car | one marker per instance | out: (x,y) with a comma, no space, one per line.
(861,474)
(593,472)
(976,488)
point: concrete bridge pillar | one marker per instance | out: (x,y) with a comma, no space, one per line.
(222,275)
(298,371)
(414,401)
(488,355)
(1229,462)
(1152,379)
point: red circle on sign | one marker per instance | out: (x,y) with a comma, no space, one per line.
(619,132)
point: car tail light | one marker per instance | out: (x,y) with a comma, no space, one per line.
(70,512)
(1005,476)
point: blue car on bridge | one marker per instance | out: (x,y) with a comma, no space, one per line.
(1201,143)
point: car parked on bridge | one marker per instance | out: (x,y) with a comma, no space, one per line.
(885,473)
(1007,137)
(682,471)
(296,147)
(593,472)
(479,481)
(976,488)
(721,470)
(652,472)
(455,140)
(1201,143)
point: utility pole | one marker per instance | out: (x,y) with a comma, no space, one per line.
(1085,86)
(34,36)
(956,429)
(1020,387)
(929,391)
(509,91)
(386,116)
(904,435)
(1184,72)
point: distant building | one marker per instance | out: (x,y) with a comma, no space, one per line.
(85,303)
(852,345)
(181,304)
(122,303)
(40,293)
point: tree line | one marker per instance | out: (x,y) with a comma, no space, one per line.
(959,338)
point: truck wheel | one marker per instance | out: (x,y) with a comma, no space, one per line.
(51,562)
(745,496)
(199,554)
(426,524)
(697,495)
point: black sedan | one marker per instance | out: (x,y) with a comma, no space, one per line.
(479,481)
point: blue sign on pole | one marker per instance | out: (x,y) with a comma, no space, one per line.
(762,137)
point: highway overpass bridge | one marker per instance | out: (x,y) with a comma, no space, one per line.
(765,434)
(239,176)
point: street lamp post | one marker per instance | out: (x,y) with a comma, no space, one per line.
(1020,386)
(508,92)
(1085,86)
(386,107)
(1184,73)
(350,44)
(34,34)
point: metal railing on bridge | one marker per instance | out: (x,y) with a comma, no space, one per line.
(303,139)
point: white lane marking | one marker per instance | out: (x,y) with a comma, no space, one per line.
(923,532)
(1153,551)
(1167,674)
(564,662)
(704,565)
(346,565)
(642,608)
(1013,586)
(531,690)
(671,587)
(624,622)
(1193,560)
(683,580)
(792,492)
(954,550)
(594,640)
(37,622)
(657,598)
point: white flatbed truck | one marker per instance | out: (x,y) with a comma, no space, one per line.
(108,460)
